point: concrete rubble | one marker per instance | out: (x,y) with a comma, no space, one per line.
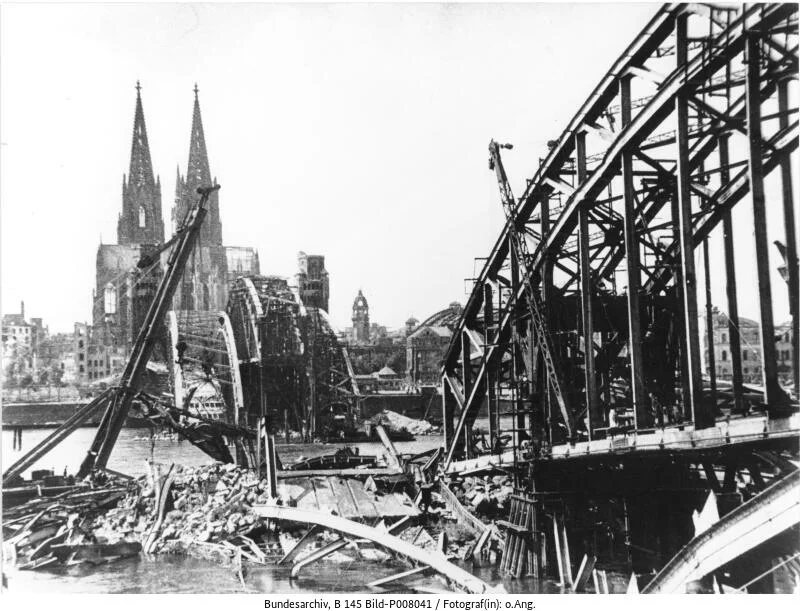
(393,421)
(486,497)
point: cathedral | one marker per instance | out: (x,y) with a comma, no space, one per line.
(123,292)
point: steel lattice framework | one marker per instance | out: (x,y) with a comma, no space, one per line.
(291,365)
(601,245)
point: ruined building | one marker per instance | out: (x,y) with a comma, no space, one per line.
(312,281)
(361,329)
(427,345)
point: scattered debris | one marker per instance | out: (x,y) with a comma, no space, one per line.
(397,423)
(486,497)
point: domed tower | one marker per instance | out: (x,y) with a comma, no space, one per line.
(360,319)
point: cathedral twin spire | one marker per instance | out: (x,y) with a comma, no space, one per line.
(141,219)
(198,174)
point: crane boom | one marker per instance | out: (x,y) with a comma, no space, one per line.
(519,250)
(117,410)
(119,399)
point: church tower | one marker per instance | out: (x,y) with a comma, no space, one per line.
(198,174)
(360,319)
(140,221)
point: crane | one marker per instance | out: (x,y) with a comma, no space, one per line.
(519,251)
(118,400)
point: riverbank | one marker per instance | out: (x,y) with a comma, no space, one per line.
(47,414)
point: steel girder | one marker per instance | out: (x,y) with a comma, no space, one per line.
(641,163)
(265,318)
(203,354)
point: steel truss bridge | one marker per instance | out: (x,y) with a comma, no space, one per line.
(580,339)
(266,355)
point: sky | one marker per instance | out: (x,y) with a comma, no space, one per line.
(358,132)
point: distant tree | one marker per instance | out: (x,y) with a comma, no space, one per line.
(26,381)
(57,375)
(44,377)
(397,361)
(10,380)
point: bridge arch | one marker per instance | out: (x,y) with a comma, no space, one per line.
(654,161)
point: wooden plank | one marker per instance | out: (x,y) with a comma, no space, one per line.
(399,526)
(478,547)
(303,542)
(561,579)
(394,457)
(340,491)
(465,518)
(350,472)
(347,527)
(325,498)
(398,576)
(396,505)
(584,572)
(301,491)
(365,505)
(318,555)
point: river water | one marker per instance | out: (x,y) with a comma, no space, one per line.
(178,574)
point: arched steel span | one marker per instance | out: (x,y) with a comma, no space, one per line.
(291,364)
(686,123)
(328,371)
(204,365)
(443,318)
(265,316)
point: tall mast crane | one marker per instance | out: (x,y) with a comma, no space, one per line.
(519,251)
(119,399)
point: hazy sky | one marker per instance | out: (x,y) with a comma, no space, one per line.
(358,132)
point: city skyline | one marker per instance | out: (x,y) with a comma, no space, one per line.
(291,149)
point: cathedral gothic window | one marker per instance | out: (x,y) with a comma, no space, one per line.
(142,217)
(110,299)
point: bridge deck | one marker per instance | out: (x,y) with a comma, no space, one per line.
(345,497)
(735,433)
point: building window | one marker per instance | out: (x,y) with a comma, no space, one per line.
(724,337)
(142,217)
(80,344)
(110,299)
(80,358)
(724,355)
(81,369)
(746,370)
(744,356)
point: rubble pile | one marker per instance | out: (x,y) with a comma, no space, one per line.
(209,504)
(392,421)
(486,497)
(48,530)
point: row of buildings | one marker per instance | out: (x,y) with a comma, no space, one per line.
(402,360)
(22,344)
(750,349)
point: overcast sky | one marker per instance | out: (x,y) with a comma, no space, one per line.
(358,132)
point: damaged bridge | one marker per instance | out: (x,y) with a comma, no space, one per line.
(579,351)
